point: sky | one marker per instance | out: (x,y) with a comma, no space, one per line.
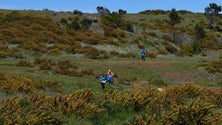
(89,6)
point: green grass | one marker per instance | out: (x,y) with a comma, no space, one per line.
(128,71)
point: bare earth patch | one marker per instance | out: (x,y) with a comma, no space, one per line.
(136,63)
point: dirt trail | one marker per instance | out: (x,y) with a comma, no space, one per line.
(136,63)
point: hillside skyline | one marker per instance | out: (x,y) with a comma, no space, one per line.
(89,6)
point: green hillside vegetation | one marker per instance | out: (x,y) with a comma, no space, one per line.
(50,63)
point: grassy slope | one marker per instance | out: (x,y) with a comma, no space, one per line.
(170,69)
(128,69)
(165,69)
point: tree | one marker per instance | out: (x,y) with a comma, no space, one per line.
(102,11)
(174,19)
(122,12)
(211,12)
(77,12)
(113,20)
(86,23)
(199,32)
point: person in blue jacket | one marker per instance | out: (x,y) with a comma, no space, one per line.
(102,80)
(110,77)
(143,54)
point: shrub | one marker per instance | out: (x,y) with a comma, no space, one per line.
(113,20)
(93,53)
(4,54)
(54,51)
(199,31)
(50,84)
(131,54)
(65,64)
(167,38)
(5,51)
(13,84)
(86,23)
(152,55)
(186,50)
(182,114)
(63,21)
(106,56)
(141,46)
(183,53)
(214,66)
(75,25)
(129,27)
(64,71)
(121,33)
(65,67)
(87,71)
(114,53)
(162,51)
(171,48)
(203,54)
(153,34)
(209,43)
(25,63)
(44,63)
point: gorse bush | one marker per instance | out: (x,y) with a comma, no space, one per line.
(212,66)
(6,52)
(184,104)
(152,55)
(171,48)
(25,63)
(162,51)
(44,35)
(14,84)
(65,67)
(49,84)
(195,112)
(186,50)
(54,34)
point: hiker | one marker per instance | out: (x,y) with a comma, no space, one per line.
(143,54)
(102,80)
(110,76)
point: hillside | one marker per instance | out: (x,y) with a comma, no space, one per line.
(50,63)
(150,31)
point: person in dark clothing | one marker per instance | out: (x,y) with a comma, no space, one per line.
(143,54)
(102,80)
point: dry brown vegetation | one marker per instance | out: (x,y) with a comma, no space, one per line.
(48,34)
(30,40)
